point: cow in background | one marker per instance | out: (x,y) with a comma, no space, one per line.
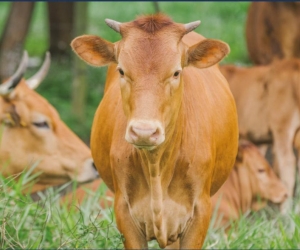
(272,31)
(249,186)
(268,105)
(165,135)
(32,132)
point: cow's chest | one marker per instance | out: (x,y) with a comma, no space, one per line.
(165,225)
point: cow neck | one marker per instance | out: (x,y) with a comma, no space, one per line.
(160,165)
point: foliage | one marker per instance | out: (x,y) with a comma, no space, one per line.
(50,224)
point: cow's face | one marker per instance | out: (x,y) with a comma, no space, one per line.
(264,184)
(150,59)
(33,134)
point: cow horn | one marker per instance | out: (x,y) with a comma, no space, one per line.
(113,24)
(9,85)
(34,81)
(191,26)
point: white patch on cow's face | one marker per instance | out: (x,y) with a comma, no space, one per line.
(147,134)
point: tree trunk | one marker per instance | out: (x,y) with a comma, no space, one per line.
(80,67)
(61,17)
(156,7)
(13,37)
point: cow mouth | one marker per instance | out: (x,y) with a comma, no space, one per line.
(144,146)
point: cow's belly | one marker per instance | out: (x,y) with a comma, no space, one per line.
(174,219)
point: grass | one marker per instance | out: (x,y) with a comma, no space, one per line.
(48,224)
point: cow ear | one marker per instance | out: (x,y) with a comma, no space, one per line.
(94,50)
(207,53)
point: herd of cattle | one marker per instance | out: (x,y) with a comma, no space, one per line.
(171,136)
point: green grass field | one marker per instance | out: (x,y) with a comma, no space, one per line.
(47,224)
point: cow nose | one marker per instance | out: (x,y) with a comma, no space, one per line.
(88,171)
(144,134)
(151,134)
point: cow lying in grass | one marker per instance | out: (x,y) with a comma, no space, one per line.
(268,105)
(33,133)
(249,186)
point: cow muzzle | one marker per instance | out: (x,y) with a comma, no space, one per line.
(145,134)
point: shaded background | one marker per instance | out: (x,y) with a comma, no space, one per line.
(52,26)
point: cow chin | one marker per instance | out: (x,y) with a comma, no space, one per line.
(149,148)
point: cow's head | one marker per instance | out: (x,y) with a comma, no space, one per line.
(150,59)
(32,132)
(258,179)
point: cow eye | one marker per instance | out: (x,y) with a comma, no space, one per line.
(121,72)
(261,171)
(43,124)
(176,74)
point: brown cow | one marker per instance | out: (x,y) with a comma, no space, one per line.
(268,105)
(272,31)
(165,134)
(33,133)
(249,186)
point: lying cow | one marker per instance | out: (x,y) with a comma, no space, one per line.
(268,105)
(249,186)
(165,134)
(33,133)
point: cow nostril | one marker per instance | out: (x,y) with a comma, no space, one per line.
(132,131)
(156,134)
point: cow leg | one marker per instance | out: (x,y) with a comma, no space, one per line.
(133,236)
(285,162)
(174,245)
(194,235)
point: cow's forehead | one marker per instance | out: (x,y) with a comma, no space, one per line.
(149,53)
(28,101)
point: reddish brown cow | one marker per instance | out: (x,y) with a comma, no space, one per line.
(272,31)
(165,134)
(249,186)
(33,133)
(268,105)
